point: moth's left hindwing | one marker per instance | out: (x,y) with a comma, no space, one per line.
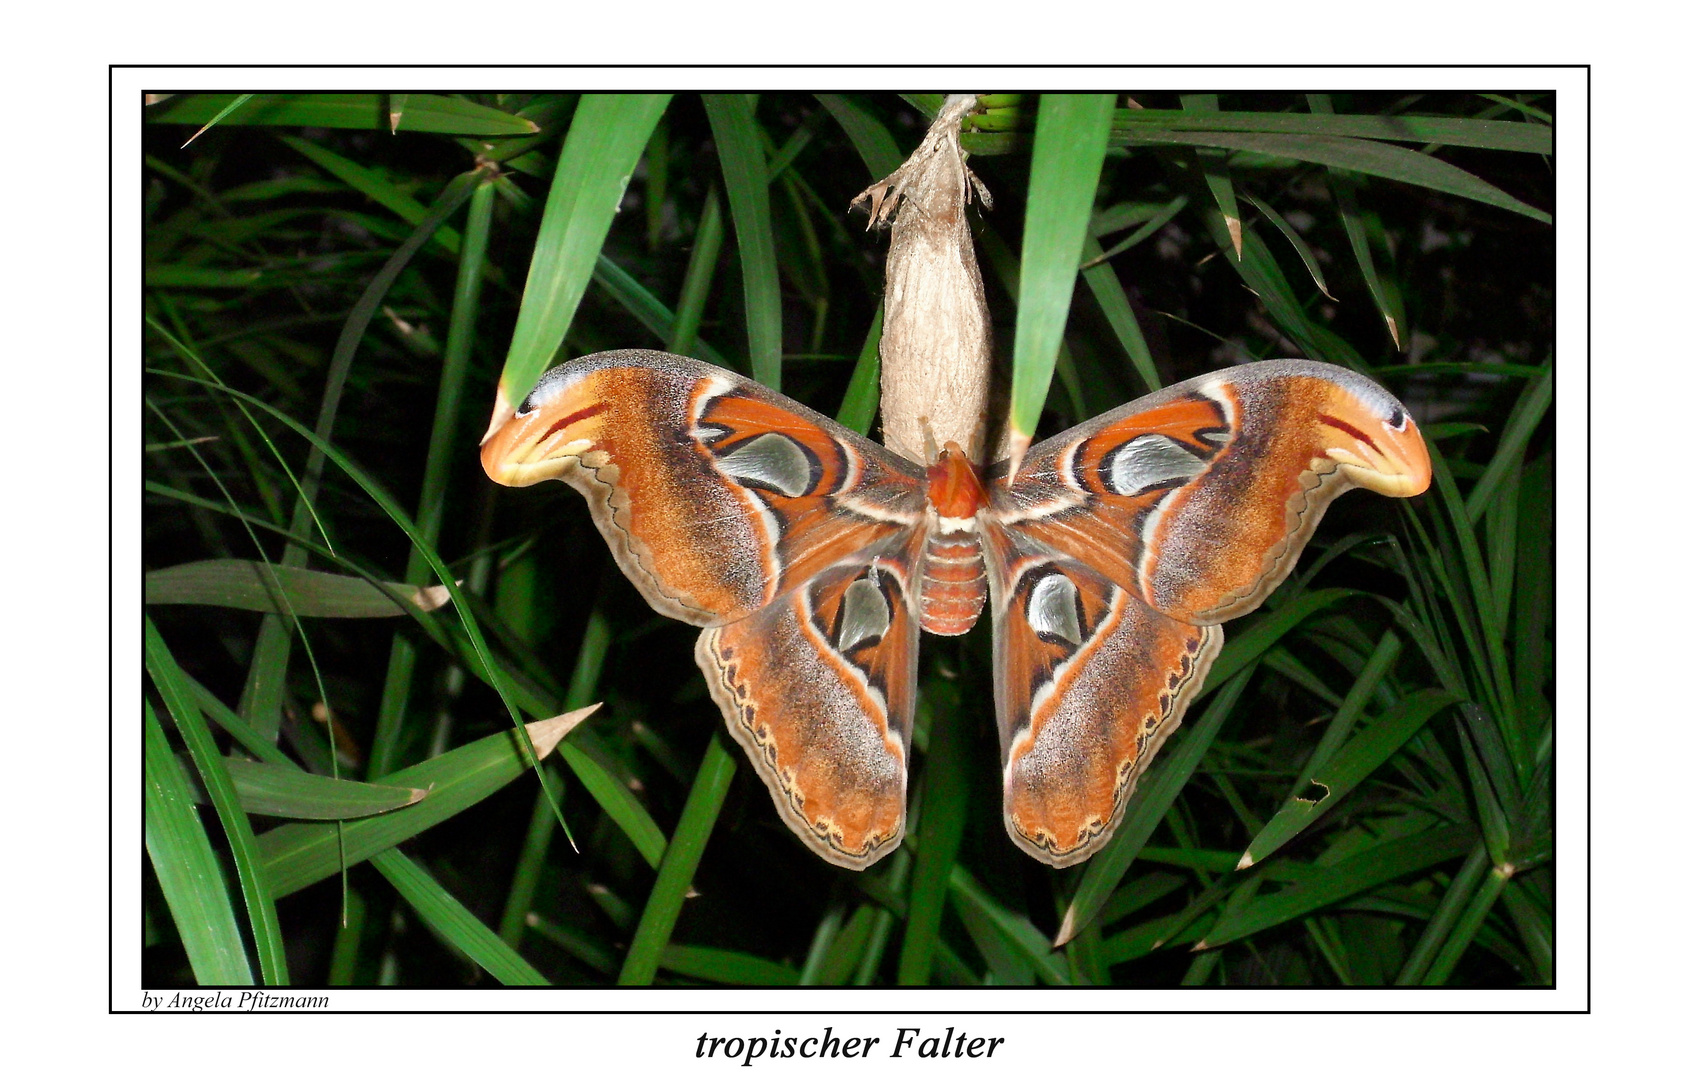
(819,689)
(786,535)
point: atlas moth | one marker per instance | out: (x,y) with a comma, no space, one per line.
(813,558)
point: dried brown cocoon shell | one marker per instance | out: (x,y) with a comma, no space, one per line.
(936,377)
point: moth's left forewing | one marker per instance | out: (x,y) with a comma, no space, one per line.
(716,495)
(818,687)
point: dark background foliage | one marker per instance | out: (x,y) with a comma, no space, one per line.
(256,252)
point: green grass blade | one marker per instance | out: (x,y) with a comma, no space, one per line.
(1216,175)
(1356,232)
(1468,927)
(872,140)
(678,866)
(1471,599)
(1330,884)
(1282,661)
(1086,963)
(531,695)
(698,281)
(187,868)
(374,186)
(1205,964)
(1183,927)
(860,400)
(1344,194)
(1067,161)
(1533,606)
(883,923)
(297,855)
(1110,296)
(826,933)
(424,112)
(236,103)
(648,309)
(1304,251)
(1370,680)
(581,944)
(221,791)
(1445,918)
(1354,762)
(1355,155)
(1008,965)
(656,193)
(345,957)
(1138,894)
(1534,925)
(1501,545)
(484,662)
(225,717)
(287,792)
(516,914)
(1154,217)
(726,966)
(445,448)
(1448,131)
(849,948)
(928,105)
(617,801)
(1245,646)
(942,821)
(1015,930)
(255,586)
(1529,412)
(737,136)
(631,817)
(1261,273)
(450,921)
(1489,782)
(608,135)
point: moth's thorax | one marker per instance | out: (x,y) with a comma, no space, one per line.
(952,577)
(953,486)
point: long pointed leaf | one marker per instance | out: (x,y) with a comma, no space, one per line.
(1353,763)
(187,869)
(678,865)
(1067,160)
(608,135)
(743,162)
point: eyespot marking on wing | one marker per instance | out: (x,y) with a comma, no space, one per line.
(772,461)
(864,615)
(1146,462)
(1052,609)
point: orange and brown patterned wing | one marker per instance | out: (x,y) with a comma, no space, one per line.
(819,689)
(1200,497)
(716,495)
(786,535)
(1090,681)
